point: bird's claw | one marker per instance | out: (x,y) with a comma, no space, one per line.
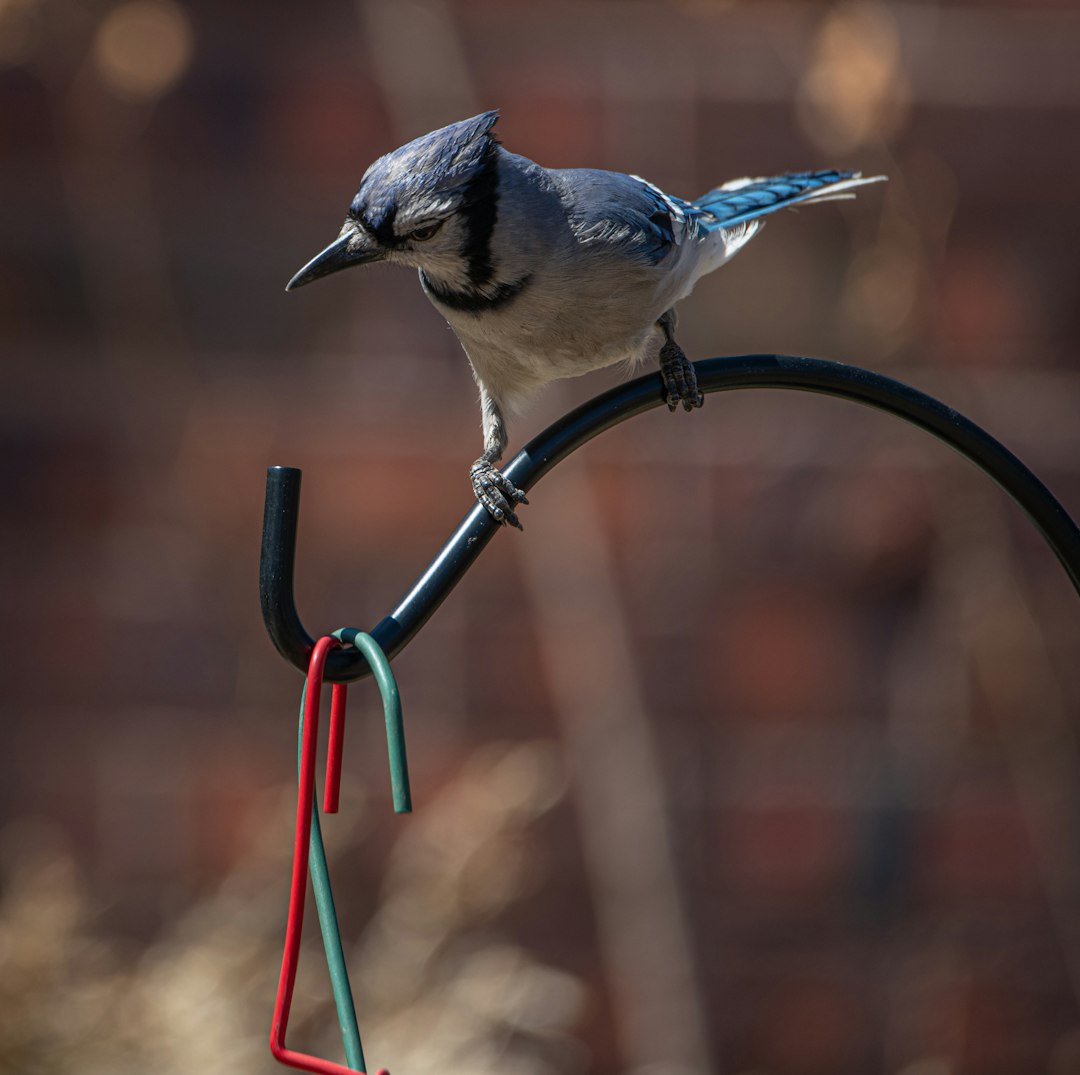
(496,492)
(680,380)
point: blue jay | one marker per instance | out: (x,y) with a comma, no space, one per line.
(546,273)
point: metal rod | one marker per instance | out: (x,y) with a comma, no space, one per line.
(556,442)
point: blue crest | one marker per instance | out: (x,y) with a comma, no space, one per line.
(437,166)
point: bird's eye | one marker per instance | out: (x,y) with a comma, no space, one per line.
(425,231)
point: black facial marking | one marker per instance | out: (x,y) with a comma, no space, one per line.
(377,220)
(479,209)
(478,212)
(383,227)
(474,301)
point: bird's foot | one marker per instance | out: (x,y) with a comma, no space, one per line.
(496,492)
(680,380)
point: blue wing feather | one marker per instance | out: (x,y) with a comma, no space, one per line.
(623,210)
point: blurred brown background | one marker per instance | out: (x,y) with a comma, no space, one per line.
(755,753)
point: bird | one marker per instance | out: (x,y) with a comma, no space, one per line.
(545,273)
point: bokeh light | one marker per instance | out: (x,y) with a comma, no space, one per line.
(143,47)
(854,89)
(19,30)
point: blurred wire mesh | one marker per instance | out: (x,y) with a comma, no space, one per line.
(790,695)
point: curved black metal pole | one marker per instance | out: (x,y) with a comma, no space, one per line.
(557,441)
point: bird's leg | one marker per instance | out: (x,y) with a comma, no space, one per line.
(676,369)
(495,491)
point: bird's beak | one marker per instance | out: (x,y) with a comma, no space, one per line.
(354,247)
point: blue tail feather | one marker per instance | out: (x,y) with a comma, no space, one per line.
(757,197)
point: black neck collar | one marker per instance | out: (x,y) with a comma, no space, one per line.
(471,299)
